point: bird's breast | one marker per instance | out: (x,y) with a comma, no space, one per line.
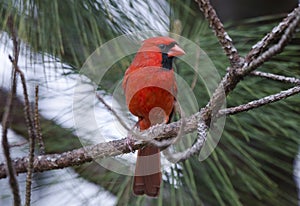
(150,93)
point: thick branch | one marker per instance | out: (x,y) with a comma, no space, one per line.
(70,158)
(217,26)
(102,150)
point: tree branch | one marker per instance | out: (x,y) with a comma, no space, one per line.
(113,112)
(37,125)
(260,102)
(9,164)
(239,67)
(101,150)
(32,138)
(223,37)
(117,147)
(29,122)
(234,76)
(251,64)
(5,121)
(158,132)
(70,158)
(264,43)
(276,77)
(195,149)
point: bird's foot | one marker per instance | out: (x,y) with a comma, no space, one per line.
(129,142)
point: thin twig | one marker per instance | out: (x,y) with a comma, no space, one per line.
(31,136)
(5,120)
(276,77)
(31,133)
(18,144)
(37,122)
(260,102)
(113,112)
(9,165)
(29,122)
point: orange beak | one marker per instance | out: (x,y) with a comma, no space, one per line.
(175,51)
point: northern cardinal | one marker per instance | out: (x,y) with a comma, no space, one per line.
(150,90)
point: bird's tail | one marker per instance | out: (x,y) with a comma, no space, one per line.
(147,176)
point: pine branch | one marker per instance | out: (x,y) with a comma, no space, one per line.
(288,30)
(260,102)
(276,77)
(239,66)
(223,37)
(265,42)
(234,76)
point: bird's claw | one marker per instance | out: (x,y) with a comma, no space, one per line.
(129,142)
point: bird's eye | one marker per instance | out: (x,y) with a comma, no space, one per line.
(162,46)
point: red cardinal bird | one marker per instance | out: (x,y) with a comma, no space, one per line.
(150,89)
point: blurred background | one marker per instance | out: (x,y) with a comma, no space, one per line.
(255,162)
(234,10)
